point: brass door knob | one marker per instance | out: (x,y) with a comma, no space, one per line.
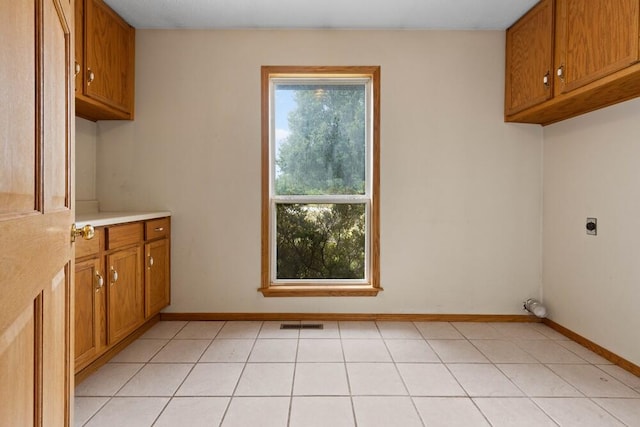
(87,232)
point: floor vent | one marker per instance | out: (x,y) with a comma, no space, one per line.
(302,326)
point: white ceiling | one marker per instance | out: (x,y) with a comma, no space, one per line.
(344,14)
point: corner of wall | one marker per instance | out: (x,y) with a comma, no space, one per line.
(86,145)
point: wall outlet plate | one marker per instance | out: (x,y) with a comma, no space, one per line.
(592,226)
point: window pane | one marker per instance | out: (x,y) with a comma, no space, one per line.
(320,139)
(320,241)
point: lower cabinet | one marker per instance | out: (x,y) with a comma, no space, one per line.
(126,292)
(157,276)
(122,279)
(90,304)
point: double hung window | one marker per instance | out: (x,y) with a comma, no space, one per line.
(320,160)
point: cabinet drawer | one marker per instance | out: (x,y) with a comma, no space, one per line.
(156,228)
(124,235)
(90,247)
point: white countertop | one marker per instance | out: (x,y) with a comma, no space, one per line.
(109,218)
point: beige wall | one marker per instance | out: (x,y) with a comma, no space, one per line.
(85,180)
(592,283)
(461,190)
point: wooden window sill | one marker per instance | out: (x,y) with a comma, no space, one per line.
(320,291)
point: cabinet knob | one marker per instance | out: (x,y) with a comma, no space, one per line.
(77,69)
(99,281)
(545,80)
(90,76)
(114,276)
(150,261)
(560,72)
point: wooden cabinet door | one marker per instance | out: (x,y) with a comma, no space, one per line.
(109,57)
(594,38)
(90,334)
(529,59)
(157,277)
(79,48)
(36,277)
(125,292)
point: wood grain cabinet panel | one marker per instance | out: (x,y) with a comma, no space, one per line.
(91,247)
(156,228)
(36,277)
(119,236)
(157,279)
(90,337)
(105,55)
(530,59)
(118,286)
(595,49)
(125,292)
(594,39)
(157,265)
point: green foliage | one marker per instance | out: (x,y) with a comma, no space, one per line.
(320,241)
(324,154)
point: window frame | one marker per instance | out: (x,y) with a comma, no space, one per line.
(370,286)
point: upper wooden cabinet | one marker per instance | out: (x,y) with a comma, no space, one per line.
(569,57)
(105,55)
(594,39)
(530,59)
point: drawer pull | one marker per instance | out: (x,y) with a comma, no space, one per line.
(99,281)
(158,229)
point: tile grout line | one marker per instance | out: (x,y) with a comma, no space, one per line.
(190,370)
(174,392)
(446,366)
(97,410)
(624,383)
(395,365)
(110,398)
(514,339)
(607,411)
(293,379)
(246,362)
(344,361)
(473,399)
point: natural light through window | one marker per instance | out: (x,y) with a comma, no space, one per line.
(320,227)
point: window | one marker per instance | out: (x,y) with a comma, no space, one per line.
(320,181)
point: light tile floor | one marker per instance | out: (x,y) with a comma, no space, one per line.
(388,374)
